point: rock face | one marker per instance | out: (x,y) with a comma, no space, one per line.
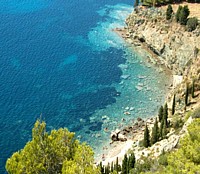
(168,40)
(118,136)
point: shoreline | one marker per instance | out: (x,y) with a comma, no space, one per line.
(164,58)
(120,148)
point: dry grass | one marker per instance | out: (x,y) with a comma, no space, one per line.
(193,7)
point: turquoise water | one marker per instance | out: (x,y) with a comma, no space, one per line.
(60,60)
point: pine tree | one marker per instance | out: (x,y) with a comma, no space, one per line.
(169,12)
(125,165)
(165,114)
(160,114)
(146,141)
(178,13)
(193,90)
(173,104)
(155,133)
(186,95)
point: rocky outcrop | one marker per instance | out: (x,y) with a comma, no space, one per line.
(168,40)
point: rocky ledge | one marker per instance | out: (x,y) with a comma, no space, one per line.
(168,40)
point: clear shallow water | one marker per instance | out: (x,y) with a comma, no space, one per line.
(60,60)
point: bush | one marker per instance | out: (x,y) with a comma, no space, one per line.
(196,113)
(178,123)
(192,24)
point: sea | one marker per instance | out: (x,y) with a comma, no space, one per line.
(61,61)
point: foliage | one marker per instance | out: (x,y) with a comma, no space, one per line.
(192,24)
(178,123)
(125,165)
(54,152)
(162,160)
(136,3)
(169,12)
(173,104)
(143,165)
(196,113)
(155,133)
(160,113)
(187,158)
(165,114)
(184,13)
(178,13)
(193,90)
(146,141)
(131,161)
(186,95)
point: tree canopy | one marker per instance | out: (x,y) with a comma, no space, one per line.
(50,153)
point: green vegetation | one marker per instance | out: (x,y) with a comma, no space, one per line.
(165,114)
(128,164)
(125,165)
(169,12)
(146,141)
(187,158)
(178,13)
(136,3)
(182,14)
(192,24)
(160,114)
(186,95)
(50,153)
(173,104)
(196,113)
(155,133)
(193,90)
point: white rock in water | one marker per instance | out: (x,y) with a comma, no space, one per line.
(127,108)
(139,88)
(125,76)
(123,66)
(131,108)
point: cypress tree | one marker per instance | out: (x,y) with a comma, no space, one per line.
(101,168)
(161,129)
(173,104)
(178,13)
(146,141)
(131,163)
(112,167)
(193,88)
(169,12)
(184,13)
(155,133)
(116,166)
(125,165)
(164,130)
(160,114)
(186,95)
(165,114)
(136,3)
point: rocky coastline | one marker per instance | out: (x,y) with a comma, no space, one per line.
(174,49)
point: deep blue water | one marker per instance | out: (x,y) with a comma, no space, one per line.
(47,66)
(59,60)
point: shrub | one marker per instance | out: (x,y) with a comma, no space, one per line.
(196,113)
(192,24)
